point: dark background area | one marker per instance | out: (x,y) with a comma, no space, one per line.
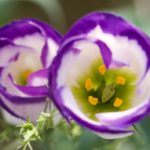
(62,14)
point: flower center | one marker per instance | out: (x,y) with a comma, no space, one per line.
(26,64)
(23,77)
(104,90)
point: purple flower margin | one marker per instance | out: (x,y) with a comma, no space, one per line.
(8,34)
(115,26)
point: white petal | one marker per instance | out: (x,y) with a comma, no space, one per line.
(73,107)
(71,104)
(26,110)
(52,51)
(124,50)
(26,60)
(36,41)
(7,53)
(113,136)
(140,108)
(38,81)
(75,65)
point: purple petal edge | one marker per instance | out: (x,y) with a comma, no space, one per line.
(116,26)
(22,27)
(53,73)
(29,26)
(104,50)
(134,117)
(103,129)
(19,99)
(2,104)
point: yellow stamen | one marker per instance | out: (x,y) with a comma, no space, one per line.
(26,73)
(93,100)
(88,84)
(102,69)
(118,102)
(120,80)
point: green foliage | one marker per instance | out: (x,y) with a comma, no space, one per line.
(67,136)
(7,132)
(44,121)
(29,133)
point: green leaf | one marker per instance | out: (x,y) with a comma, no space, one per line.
(28,133)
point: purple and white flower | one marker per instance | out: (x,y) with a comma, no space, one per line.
(27,48)
(101,75)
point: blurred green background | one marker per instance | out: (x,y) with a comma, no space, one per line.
(62,14)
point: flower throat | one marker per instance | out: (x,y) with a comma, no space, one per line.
(104,90)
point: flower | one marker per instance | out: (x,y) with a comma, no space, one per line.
(27,48)
(101,76)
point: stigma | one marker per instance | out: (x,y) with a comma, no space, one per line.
(88,84)
(118,102)
(120,80)
(93,100)
(26,73)
(23,77)
(102,69)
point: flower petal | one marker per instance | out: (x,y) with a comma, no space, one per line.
(22,112)
(38,78)
(119,35)
(127,46)
(35,34)
(38,41)
(74,111)
(2,104)
(26,59)
(67,60)
(30,90)
(131,116)
(9,51)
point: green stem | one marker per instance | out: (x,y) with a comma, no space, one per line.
(138,130)
(29,145)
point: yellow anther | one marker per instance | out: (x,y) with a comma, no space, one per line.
(120,80)
(88,84)
(93,100)
(102,69)
(26,73)
(118,102)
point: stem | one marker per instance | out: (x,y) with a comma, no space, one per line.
(46,106)
(25,146)
(137,130)
(29,145)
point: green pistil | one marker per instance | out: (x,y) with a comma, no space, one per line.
(114,90)
(22,80)
(108,92)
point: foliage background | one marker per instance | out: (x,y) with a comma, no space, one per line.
(62,14)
